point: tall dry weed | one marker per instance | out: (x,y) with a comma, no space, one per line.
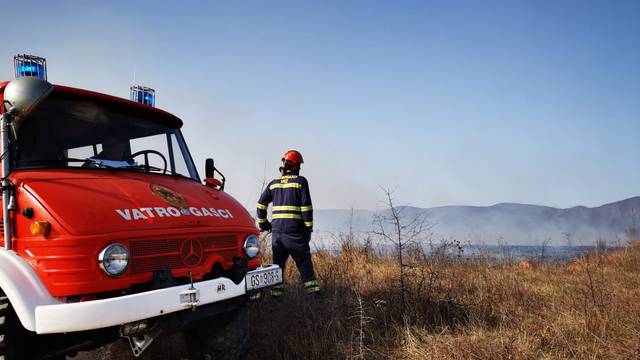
(456,307)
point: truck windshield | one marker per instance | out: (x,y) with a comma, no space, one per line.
(67,132)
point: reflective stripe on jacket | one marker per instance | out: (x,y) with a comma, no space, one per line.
(292,210)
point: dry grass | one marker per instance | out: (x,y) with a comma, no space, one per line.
(458,309)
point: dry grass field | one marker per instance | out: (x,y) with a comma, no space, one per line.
(456,308)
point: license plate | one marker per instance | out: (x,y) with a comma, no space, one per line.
(258,279)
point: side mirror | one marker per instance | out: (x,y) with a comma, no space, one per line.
(209,168)
(209,174)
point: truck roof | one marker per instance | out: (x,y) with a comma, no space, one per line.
(149,113)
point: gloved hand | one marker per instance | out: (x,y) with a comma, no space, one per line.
(265,226)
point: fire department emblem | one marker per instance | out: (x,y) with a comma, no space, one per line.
(170,196)
(191,252)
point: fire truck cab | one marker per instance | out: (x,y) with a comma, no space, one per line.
(108,231)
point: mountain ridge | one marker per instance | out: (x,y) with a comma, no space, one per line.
(511,223)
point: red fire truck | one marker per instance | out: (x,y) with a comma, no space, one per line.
(108,231)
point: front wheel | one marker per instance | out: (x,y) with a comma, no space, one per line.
(225,337)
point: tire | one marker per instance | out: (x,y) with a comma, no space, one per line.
(12,334)
(222,338)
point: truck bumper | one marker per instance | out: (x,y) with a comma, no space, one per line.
(96,314)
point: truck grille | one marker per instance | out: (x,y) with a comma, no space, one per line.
(151,255)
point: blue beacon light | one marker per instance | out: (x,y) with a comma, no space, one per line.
(143,95)
(30,66)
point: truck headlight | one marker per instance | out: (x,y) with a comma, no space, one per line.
(252,246)
(114,259)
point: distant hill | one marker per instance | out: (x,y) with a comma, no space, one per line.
(509,223)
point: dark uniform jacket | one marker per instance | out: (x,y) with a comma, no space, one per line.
(292,211)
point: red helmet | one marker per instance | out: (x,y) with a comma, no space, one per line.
(293,156)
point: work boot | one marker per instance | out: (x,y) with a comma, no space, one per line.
(277,291)
(313,289)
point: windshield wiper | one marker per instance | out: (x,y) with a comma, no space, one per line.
(153,168)
(66,159)
(90,161)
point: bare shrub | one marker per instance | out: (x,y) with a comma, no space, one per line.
(402,233)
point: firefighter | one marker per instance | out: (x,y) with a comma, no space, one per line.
(292,221)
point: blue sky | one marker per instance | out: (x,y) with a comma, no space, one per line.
(475,103)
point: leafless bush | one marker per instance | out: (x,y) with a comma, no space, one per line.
(402,233)
(543,247)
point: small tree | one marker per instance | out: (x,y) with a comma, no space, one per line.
(395,228)
(543,247)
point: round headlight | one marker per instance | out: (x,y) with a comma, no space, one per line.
(252,246)
(114,259)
